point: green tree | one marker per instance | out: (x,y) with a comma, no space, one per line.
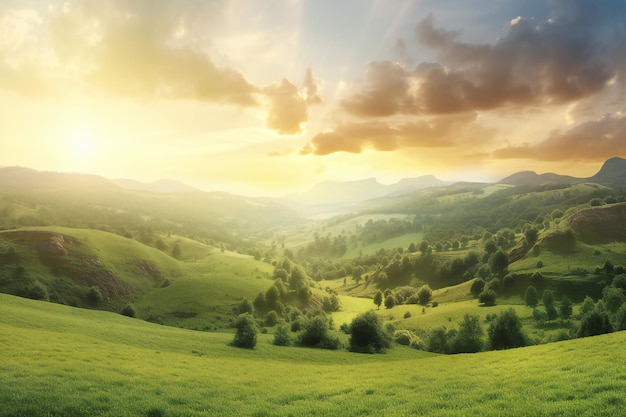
(128,311)
(245,336)
(438,341)
(176,252)
(548,303)
(478,285)
(390,301)
(94,296)
(424,294)
(38,291)
(594,323)
(378,299)
(613,298)
(487,297)
(245,306)
(282,335)
(531,235)
(271,296)
(506,331)
(316,332)
(368,335)
(469,337)
(531,297)
(499,261)
(587,306)
(565,308)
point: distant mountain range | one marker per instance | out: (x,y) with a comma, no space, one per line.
(612,173)
(160,186)
(338,193)
(323,197)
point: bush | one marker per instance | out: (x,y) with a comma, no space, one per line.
(245,306)
(487,298)
(245,336)
(407,314)
(390,301)
(531,296)
(424,294)
(367,334)
(38,291)
(94,296)
(128,311)
(506,331)
(271,319)
(477,286)
(282,337)
(438,341)
(316,333)
(469,337)
(594,323)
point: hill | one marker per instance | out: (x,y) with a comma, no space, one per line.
(612,173)
(160,186)
(58,360)
(531,178)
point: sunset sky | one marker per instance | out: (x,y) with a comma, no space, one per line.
(268,97)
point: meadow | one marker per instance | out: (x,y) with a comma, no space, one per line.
(63,361)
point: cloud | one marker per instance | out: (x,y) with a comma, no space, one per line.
(287,108)
(577,53)
(595,140)
(438,132)
(310,87)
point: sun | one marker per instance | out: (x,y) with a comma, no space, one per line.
(81,145)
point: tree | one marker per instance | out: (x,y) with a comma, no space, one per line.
(94,296)
(245,336)
(477,286)
(506,331)
(499,261)
(565,308)
(271,296)
(548,303)
(38,291)
(282,336)
(469,337)
(438,341)
(487,297)
(390,301)
(128,311)
(613,299)
(424,294)
(531,296)
(594,323)
(316,332)
(531,235)
(587,306)
(176,253)
(367,334)
(378,298)
(245,306)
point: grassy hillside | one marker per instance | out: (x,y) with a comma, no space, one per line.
(68,262)
(62,361)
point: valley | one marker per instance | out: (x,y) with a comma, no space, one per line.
(136,294)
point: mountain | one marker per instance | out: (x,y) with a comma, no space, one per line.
(25,179)
(342,194)
(161,186)
(531,178)
(612,173)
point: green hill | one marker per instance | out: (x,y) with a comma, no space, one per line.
(69,262)
(62,361)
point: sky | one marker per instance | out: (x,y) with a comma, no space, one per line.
(271,97)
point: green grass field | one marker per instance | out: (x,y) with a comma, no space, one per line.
(63,361)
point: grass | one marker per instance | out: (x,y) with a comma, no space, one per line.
(61,361)
(206,292)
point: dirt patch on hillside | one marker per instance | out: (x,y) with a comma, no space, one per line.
(600,224)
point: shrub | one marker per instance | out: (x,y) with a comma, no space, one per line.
(565,308)
(477,286)
(390,301)
(271,319)
(438,341)
(435,304)
(245,336)
(487,298)
(128,311)
(594,323)
(424,294)
(38,291)
(245,306)
(469,337)
(94,296)
(506,331)
(367,334)
(407,314)
(282,337)
(531,296)
(316,332)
